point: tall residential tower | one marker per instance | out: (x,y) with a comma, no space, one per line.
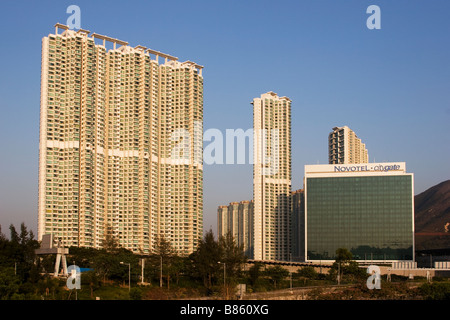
(272,177)
(120,144)
(344,147)
(237,218)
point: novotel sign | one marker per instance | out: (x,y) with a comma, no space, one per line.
(368,167)
(386,167)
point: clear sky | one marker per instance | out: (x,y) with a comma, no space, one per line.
(391,86)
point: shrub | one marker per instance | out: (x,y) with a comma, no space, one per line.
(435,291)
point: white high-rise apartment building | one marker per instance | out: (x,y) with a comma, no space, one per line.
(272,177)
(120,144)
(344,147)
(237,218)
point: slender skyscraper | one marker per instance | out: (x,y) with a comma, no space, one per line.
(272,177)
(120,144)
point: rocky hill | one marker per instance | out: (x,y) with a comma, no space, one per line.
(432,218)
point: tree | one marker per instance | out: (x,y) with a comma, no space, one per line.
(9,283)
(307,272)
(232,254)
(343,255)
(136,294)
(110,243)
(49,288)
(103,263)
(82,257)
(14,236)
(107,264)
(24,233)
(19,253)
(2,236)
(255,273)
(166,254)
(344,264)
(277,274)
(177,266)
(90,278)
(28,245)
(233,258)
(204,261)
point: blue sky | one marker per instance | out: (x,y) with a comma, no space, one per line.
(391,86)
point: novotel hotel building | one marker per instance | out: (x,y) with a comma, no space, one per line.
(366,208)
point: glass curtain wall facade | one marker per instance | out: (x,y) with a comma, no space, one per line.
(371,216)
(298,225)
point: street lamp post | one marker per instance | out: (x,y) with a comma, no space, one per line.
(161,274)
(129,275)
(290,271)
(142,270)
